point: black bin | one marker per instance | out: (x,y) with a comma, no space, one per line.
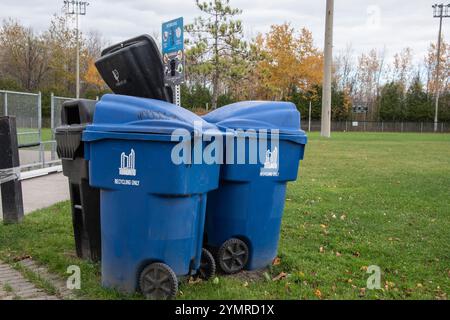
(135,68)
(85,200)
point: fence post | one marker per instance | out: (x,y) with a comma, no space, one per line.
(402,126)
(41,151)
(11,191)
(5,99)
(421,127)
(382,126)
(442,127)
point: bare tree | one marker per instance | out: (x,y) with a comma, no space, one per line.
(24,55)
(402,71)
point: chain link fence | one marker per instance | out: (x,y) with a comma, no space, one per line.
(27,108)
(379,126)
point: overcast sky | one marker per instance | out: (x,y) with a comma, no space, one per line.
(393,24)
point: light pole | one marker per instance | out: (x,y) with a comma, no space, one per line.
(328,60)
(439,11)
(77,8)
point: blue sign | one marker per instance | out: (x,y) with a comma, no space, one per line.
(173,36)
(173,51)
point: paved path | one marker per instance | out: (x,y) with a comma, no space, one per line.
(42,192)
(14,286)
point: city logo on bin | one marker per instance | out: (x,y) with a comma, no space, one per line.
(128,164)
(270,168)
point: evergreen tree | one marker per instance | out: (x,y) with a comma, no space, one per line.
(392,102)
(418,107)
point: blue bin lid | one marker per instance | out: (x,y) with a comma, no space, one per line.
(257,115)
(126,114)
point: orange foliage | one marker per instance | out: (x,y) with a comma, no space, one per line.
(290,61)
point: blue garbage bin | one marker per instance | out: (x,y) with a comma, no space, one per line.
(243,216)
(152,209)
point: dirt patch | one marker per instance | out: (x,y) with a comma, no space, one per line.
(254,275)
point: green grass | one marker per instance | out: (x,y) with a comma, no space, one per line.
(7,287)
(360,200)
(30,137)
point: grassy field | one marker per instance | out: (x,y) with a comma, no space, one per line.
(360,200)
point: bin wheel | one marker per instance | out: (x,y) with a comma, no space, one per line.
(233,255)
(157,281)
(207,265)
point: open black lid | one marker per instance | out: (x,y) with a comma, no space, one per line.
(134,67)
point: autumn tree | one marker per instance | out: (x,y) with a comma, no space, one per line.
(344,75)
(24,55)
(369,75)
(402,67)
(290,62)
(431,71)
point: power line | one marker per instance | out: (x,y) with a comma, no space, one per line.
(77,8)
(439,11)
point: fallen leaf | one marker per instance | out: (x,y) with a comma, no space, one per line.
(419,285)
(364,268)
(267,276)
(318,293)
(216,280)
(276,261)
(192,280)
(338,254)
(343,217)
(349,280)
(323,226)
(321,250)
(282,275)
(356,254)
(245,284)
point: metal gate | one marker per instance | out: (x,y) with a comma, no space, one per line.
(26,107)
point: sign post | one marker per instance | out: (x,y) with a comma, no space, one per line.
(173,56)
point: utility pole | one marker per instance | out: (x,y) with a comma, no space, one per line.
(439,11)
(77,8)
(328,57)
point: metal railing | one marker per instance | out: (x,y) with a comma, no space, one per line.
(380,126)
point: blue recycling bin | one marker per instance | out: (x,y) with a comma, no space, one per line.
(152,207)
(244,214)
